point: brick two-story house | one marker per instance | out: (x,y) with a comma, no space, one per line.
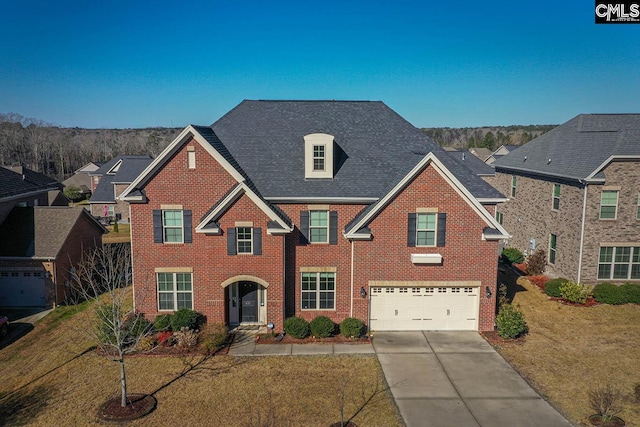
(575,192)
(310,208)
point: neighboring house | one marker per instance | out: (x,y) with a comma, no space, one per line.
(23,189)
(308,208)
(472,162)
(482,153)
(39,247)
(575,192)
(110,180)
(503,150)
(82,180)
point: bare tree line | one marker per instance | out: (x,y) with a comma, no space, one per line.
(57,152)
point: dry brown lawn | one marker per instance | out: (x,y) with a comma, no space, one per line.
(570,350)
(122,236)
(47,380)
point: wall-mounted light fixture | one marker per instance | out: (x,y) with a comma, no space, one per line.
(488,291)
(363,292)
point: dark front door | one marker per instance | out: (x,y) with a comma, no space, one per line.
(248,302)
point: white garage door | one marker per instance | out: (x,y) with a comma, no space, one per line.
(424,308)
(22,289)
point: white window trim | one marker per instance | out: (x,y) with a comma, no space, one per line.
(323,158)
(615,215)
(174,290)
(319,227)
(435,229)
(238,241)
(165,227)
(613,262)
(638,208)
(315,140)
(318,291)
(514,184)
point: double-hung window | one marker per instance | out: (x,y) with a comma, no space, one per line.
(318,157)
(172,226)
(319,226)
(552,248)
(619,262)
(608,204)
(318,291)
(556,197)
(513,185)
(638,209)
(175,291)
(426,229)
(244,240)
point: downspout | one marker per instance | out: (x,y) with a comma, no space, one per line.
(584,212)
(132,268)
(284,281)
(352,249)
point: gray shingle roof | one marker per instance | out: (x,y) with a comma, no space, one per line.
(473,163)
(379,148)
(576,148)
(128,171)
(12,182)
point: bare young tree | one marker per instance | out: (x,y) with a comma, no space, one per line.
(103,278)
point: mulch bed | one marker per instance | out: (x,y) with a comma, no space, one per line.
(138,406)
(338,339)
(495,340)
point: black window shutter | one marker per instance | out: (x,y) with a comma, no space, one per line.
(333,228)
(442,228)
(304,227)
(257,241)
(157,226)
(231,241)
(411,230)
(186,225)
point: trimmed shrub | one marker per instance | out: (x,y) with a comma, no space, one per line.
(536,262)
(575,292)
(186,338)
(510,322)
(552,287)
(138,326)
(213,336)
(351,327)
(147,343)
(162,322)
(608,293)
(185,318)
(512,255)
(297,327)
(322,327)
(631,292)
(539,281)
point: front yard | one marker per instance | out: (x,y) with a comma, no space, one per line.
(46,379)
(569,350)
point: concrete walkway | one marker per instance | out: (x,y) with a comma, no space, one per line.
(457,379)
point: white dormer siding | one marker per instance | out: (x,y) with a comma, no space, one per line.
(318,156)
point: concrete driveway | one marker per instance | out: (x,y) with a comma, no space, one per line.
(457,379)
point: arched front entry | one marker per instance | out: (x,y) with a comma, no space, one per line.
(246,300)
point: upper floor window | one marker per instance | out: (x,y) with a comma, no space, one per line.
(318,225)
(514,180)
(499,217)
(556,197)
(172,226)
(318,157)
(552,248)
(638,209)
(621,262)
(609,204)
(244,239)
(427,229)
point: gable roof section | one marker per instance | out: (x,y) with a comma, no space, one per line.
(128,168)
(579,149)
(12,183)
(354,230)
(472,162)
(40,232)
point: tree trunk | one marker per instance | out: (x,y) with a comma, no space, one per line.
(123,382)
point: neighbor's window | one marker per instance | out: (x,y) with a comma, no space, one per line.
(426,229)
(172,226)
(638,210)
(244,240)
(552,248)
(499,217)
(608,204)
(619,262)
(319,226)
(318,157)
(556,197)
(513,185)
(175,291)
(318,291)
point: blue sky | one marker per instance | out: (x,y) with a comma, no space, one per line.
(168,63)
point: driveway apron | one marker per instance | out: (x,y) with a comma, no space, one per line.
(458,379)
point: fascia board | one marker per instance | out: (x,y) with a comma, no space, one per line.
(590,177)
(502,169)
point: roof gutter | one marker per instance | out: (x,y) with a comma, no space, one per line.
(27,258)
(536,172)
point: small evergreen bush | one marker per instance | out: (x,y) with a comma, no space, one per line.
(575,292)
(322,327)
(608,293)
(351,327)
(536,262)
(162,322)
(137,326)
(512,255)
(552,287)
(297,327)
(631,292)
(185,318)
(510,322)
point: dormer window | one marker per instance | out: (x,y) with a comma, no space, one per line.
(318,156)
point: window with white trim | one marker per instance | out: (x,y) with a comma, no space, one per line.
(499,217)
(552,248)
(608,204)
(426,229)
(318,158)
(513,185)
(318,291)
(319,226)
(244,240)
(172,226)
(175,291)
(556,197)
(619,262)
(638,208)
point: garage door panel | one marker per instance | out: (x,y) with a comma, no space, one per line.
(22,289)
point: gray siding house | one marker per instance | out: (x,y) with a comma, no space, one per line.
(575,192)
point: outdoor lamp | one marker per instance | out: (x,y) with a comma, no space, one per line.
(363,292)
(488,292)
